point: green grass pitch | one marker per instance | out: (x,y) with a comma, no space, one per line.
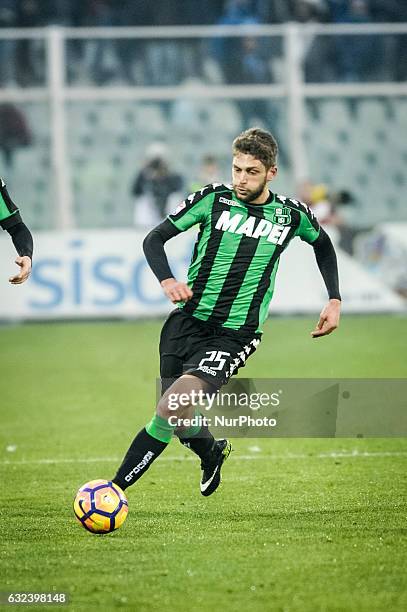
(293,528)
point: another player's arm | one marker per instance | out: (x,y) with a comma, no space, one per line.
(10,220)
(310,231)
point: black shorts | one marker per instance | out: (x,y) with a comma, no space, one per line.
(191,346)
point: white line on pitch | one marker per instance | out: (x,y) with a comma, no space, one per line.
(333,455)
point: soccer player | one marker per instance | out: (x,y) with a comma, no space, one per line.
(217,326)
(10,220)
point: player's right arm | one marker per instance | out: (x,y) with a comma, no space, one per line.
(153,247)
(191,211)
(10,220)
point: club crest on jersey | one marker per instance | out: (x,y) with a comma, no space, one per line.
(282,216)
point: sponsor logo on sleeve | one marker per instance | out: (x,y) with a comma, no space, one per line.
(179,208)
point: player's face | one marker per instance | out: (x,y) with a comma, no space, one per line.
(250,178)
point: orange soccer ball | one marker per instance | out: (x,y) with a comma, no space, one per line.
(100,506)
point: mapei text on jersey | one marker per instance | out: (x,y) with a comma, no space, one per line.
(276,234)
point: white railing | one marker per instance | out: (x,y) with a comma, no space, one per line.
(57,91)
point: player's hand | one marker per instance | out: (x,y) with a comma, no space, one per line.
(328,319)
(176,291)
(25,265)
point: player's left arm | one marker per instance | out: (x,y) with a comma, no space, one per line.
(328,266)
(311,232)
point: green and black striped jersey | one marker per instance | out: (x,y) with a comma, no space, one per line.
(8,210)
(236,255)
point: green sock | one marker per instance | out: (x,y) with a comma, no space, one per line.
(160,429)
(192,431)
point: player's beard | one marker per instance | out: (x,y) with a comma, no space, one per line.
(251,195)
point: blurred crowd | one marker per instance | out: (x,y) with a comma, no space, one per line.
(335,211)
(35,13)
(246,60)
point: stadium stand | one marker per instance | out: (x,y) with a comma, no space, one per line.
(358,146)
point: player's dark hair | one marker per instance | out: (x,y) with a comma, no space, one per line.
(259,143)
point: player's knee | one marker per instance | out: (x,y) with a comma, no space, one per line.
(178,399)
(170,405)
(163,408)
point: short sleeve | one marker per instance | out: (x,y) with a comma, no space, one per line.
(7,206)
(194,209)
(308,229)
